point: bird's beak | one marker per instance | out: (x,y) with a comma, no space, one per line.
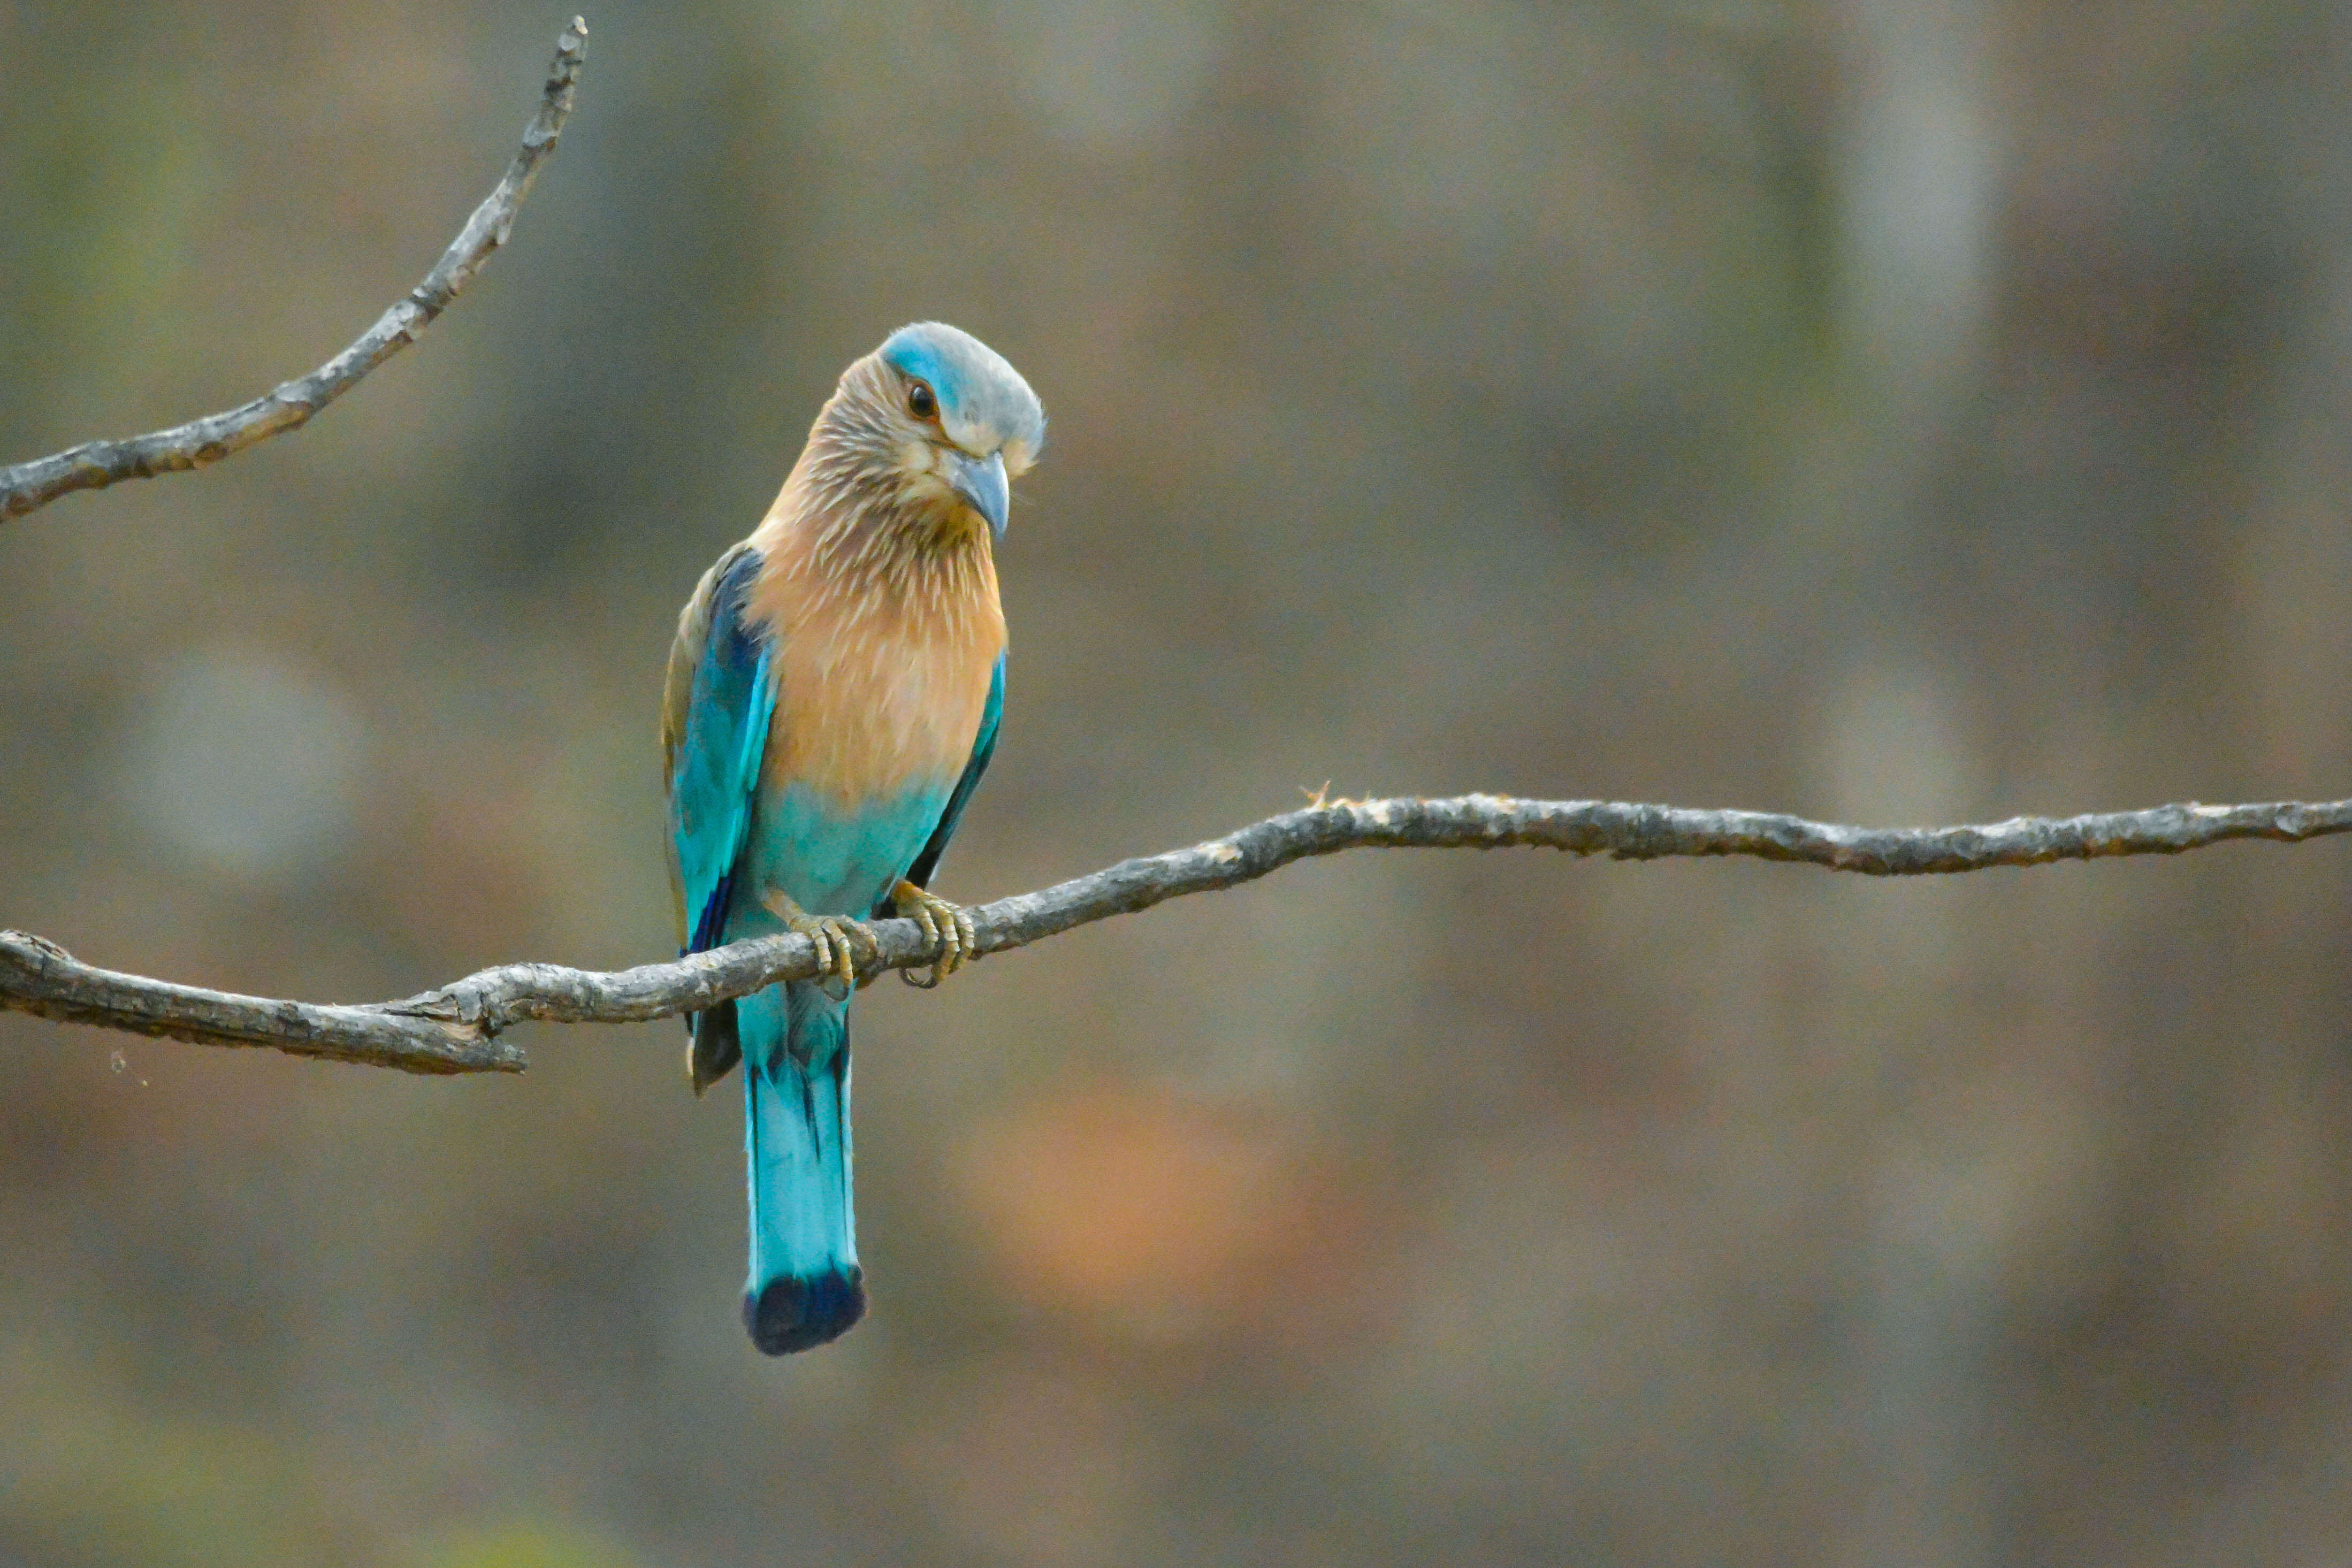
(981,482)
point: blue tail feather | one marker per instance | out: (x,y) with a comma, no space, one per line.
(805,1287)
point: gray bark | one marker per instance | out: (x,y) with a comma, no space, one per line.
(456,1028)
(94,464)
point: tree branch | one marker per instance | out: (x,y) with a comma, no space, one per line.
(455,1029)
(94,464)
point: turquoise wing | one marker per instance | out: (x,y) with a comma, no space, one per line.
(716,708)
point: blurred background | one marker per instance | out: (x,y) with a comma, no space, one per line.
(1895,411)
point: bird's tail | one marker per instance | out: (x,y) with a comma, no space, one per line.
(805,1286)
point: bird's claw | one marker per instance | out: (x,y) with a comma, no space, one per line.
(834,936)
(949,927)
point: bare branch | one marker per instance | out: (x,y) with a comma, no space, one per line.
(456,1028)
(95,464)
(39,976)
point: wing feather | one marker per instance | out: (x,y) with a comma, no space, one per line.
(718,700)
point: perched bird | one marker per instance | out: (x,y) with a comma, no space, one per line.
(832,701)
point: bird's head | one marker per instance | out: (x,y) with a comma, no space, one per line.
(941,422)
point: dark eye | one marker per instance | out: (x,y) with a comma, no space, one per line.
(920,399)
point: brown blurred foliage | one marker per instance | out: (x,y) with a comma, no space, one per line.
(1884,410)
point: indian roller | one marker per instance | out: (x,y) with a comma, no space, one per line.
(832,701)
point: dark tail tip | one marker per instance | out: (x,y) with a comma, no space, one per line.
(791,1314)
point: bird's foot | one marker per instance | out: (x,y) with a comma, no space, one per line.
(836,936)
(950,927)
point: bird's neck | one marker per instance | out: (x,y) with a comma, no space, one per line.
(869,549)
(849,558)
